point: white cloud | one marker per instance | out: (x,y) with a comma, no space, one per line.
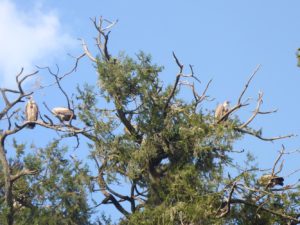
(28,38)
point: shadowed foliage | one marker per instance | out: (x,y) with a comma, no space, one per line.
(154,156)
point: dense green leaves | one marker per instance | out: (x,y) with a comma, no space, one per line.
(171,154)
(55,195)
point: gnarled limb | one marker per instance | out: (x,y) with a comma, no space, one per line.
(103,188)
(259,136)
(8,196)
(198,98)
(239,103)
(20,91)
(226,209)
(101,39)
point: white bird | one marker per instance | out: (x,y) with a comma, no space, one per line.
(221,110)
(31,112)
(270,180)
(64,114)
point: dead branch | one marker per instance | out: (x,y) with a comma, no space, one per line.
(47,117)
(87,51)
(172,93)
(177,82)
(281,215)
(248,83)
(268,112)
(198,98)
(203,95)
(226,209)
(292,173)
(58,127)
(103,188)
(58,80)
(8,196)
(73,69)
(103,35)
(9,105)
(256,111)
(239,103)
(281,152)
(102,42)
(259,136)
(101,39)
(20,82)
(262,193)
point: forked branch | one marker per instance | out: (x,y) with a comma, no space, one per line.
(239,103)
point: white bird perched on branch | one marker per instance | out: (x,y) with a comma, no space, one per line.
(31,112)
(64,114)
(270,180)
(221,110)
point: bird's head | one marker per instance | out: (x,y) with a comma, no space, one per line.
(226,103)
(31,100)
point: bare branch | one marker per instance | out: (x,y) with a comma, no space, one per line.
(258,135)
(256,111)
(87,51)
(277,213)
(204,96)
(73,69)
(58,79)
(7,103)
(103,34)
(247,84)
(277,160)
(239,103)
(172,93)
(268,112)
(292,173)
(21,94)
(227,207)
(192,74)
(50,121)
(109,196)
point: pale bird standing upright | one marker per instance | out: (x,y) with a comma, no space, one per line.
(64,114)
(31,112)
(221,110)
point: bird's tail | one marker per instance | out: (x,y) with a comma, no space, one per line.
(280,181)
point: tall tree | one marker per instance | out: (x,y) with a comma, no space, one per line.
(172,154)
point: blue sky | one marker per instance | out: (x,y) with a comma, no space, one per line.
(224,40)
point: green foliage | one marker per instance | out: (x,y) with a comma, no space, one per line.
(55,195)
(173,154)
(180,158)
(176,153)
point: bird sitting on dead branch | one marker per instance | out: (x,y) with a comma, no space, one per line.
(270,180)
(221,110)
(31,112)
(64,114)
